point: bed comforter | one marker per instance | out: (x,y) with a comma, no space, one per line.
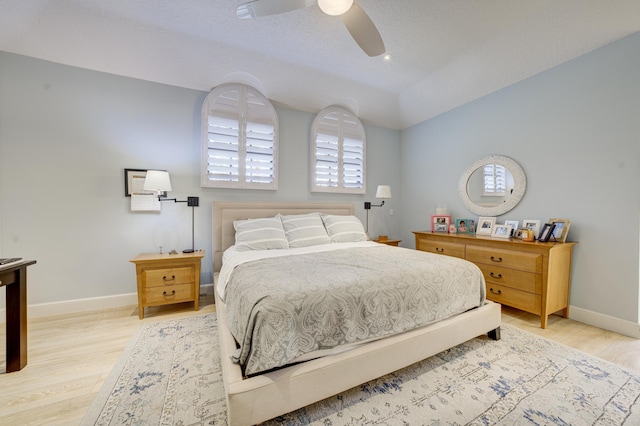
(282,307)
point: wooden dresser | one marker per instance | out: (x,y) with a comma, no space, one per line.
(164,279)
(531,276)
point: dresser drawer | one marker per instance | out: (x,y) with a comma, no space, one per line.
(519,299)
(169,294)
(168,276)
(522,261)
(519,280)
(440,247)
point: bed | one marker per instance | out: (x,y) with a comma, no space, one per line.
(259,392)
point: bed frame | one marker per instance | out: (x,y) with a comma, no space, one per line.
(263,397)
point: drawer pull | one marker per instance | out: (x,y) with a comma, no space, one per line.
(496,259)
(498,276)
(173,293)
(495,292)
(173,277)
(439,250)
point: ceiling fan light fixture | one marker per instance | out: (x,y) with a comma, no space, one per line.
(335,7)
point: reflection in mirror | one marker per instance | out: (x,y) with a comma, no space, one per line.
(492,186)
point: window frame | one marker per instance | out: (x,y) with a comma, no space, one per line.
(243,180)
(342,186)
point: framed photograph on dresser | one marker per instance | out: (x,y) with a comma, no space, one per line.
(440,222)
(518,232)
(485,226)
(514,226)
(546,233)
(501,231)
(465,226)
(561,229)
(532,224)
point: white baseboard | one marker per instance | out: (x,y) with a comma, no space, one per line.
(66,307)
(628,328)
(90,304)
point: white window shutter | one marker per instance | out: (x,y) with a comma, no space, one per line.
(338,152)
(240,139)
(495,180)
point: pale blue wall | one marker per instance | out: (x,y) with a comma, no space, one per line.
(66,136)
(575,130)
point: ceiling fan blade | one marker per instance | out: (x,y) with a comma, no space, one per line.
(363,31)
(258,8)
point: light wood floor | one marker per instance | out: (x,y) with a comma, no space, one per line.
(71,356)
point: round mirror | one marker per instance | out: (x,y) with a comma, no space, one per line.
(492,186)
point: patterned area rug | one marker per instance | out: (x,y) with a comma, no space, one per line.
(170,375)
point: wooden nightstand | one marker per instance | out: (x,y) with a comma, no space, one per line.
(388,242)
(164,279)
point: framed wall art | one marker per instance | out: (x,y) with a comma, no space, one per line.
(133,182)
(440,222)
(561,229)
(485,225)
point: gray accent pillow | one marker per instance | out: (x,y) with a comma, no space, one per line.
(344,229)
(260,234)
(303,230)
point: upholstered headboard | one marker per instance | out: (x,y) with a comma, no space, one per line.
(225,212)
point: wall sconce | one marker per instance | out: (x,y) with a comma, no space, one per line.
(383,191)
(159,182)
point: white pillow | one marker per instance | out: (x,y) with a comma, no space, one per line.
(304,230)
(344,229)
(260,234)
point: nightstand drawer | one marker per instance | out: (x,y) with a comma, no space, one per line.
(516,298)
(169,294)
(522,261)
(169,276)
(440,247)
(519,280)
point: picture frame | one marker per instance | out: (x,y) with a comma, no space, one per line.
(561,229)
(133,181)
(546,232)
(514,226)
(485,225)
(533,224)
(518,232)
(465,226)
(501,231)
(440,223)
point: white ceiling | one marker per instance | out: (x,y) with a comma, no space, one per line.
(445,52)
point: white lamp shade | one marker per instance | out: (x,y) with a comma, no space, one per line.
(157,180)
(384,191)
(335,7)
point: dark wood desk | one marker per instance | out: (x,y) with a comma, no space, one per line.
(14,277)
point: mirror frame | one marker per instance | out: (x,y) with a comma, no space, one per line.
(519,180)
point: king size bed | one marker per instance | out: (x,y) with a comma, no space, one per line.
(307,308)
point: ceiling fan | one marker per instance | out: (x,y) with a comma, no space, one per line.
(358,23)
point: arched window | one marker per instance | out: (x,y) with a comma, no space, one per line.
(239,139)
(337,152)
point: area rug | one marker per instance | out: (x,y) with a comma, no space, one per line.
(170,375)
